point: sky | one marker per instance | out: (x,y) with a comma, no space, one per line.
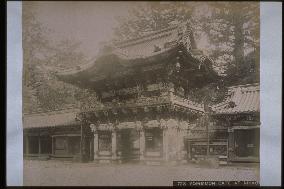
(87,22)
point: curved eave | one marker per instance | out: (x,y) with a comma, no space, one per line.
(70,124)
(115,59)
(79,74)
(133,61)
(234,113)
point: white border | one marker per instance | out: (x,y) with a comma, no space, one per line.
(270,93)
(271,85)
(14,144)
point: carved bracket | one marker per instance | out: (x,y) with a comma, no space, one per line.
(93,127)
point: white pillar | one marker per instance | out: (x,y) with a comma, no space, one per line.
(179,144)
(165,144)
(142,144)
(96,145)
(113,145)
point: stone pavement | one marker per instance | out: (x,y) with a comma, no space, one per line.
(57,173)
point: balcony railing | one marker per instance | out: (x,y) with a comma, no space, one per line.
(139,102)
(145,102)
(135,90)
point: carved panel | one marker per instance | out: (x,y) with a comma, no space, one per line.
(152,123)
(126,125)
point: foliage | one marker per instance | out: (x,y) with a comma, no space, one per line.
(34,46)
(151,17)
(231,29)
(244,73)
(234,31)
(41,89)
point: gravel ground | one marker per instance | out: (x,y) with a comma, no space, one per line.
(60,173)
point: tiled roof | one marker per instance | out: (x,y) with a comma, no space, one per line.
(145,47)
(241,99)
(148,46)
(51,119)
(157,42)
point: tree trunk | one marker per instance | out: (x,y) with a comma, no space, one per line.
(239,42)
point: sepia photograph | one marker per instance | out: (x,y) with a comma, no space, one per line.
(141,93)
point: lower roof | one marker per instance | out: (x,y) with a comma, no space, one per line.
(241,99)
(51,119)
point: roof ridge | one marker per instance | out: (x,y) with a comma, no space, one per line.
(244,85)
(122,43)
(51,112)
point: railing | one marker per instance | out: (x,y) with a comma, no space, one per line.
(124,91)
(164,98)
(140,102)
(157,86)
(133,90)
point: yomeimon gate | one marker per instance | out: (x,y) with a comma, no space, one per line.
(143,85)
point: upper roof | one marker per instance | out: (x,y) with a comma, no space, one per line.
(241,99)
(117,58)
(65,117)
(155,42)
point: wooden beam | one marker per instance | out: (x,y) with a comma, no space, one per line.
(39,145)
(81,143)
(52,145)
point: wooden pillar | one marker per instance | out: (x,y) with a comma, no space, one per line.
(27,145)
(113,145)
(91,149)
(96,144)
(52,145)
(231,140)
(81,143)
(142,144)
(179,145)
(67,144)
(39,145)
(231,145)
(171,93)
(188,149)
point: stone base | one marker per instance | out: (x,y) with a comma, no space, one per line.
(183,162)
(153,163)
(142,162)
(40,157)
(105,161)
(211,162)
(173,163)
(223,163)
(116,161)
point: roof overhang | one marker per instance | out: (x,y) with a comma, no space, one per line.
(113,65)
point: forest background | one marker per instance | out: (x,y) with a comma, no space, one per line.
(230,29)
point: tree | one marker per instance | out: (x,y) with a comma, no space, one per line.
(52,93)
(232,28)
(41,88)
(66,54)
(35,48)
(244,73)
(153,16)
(234,31)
